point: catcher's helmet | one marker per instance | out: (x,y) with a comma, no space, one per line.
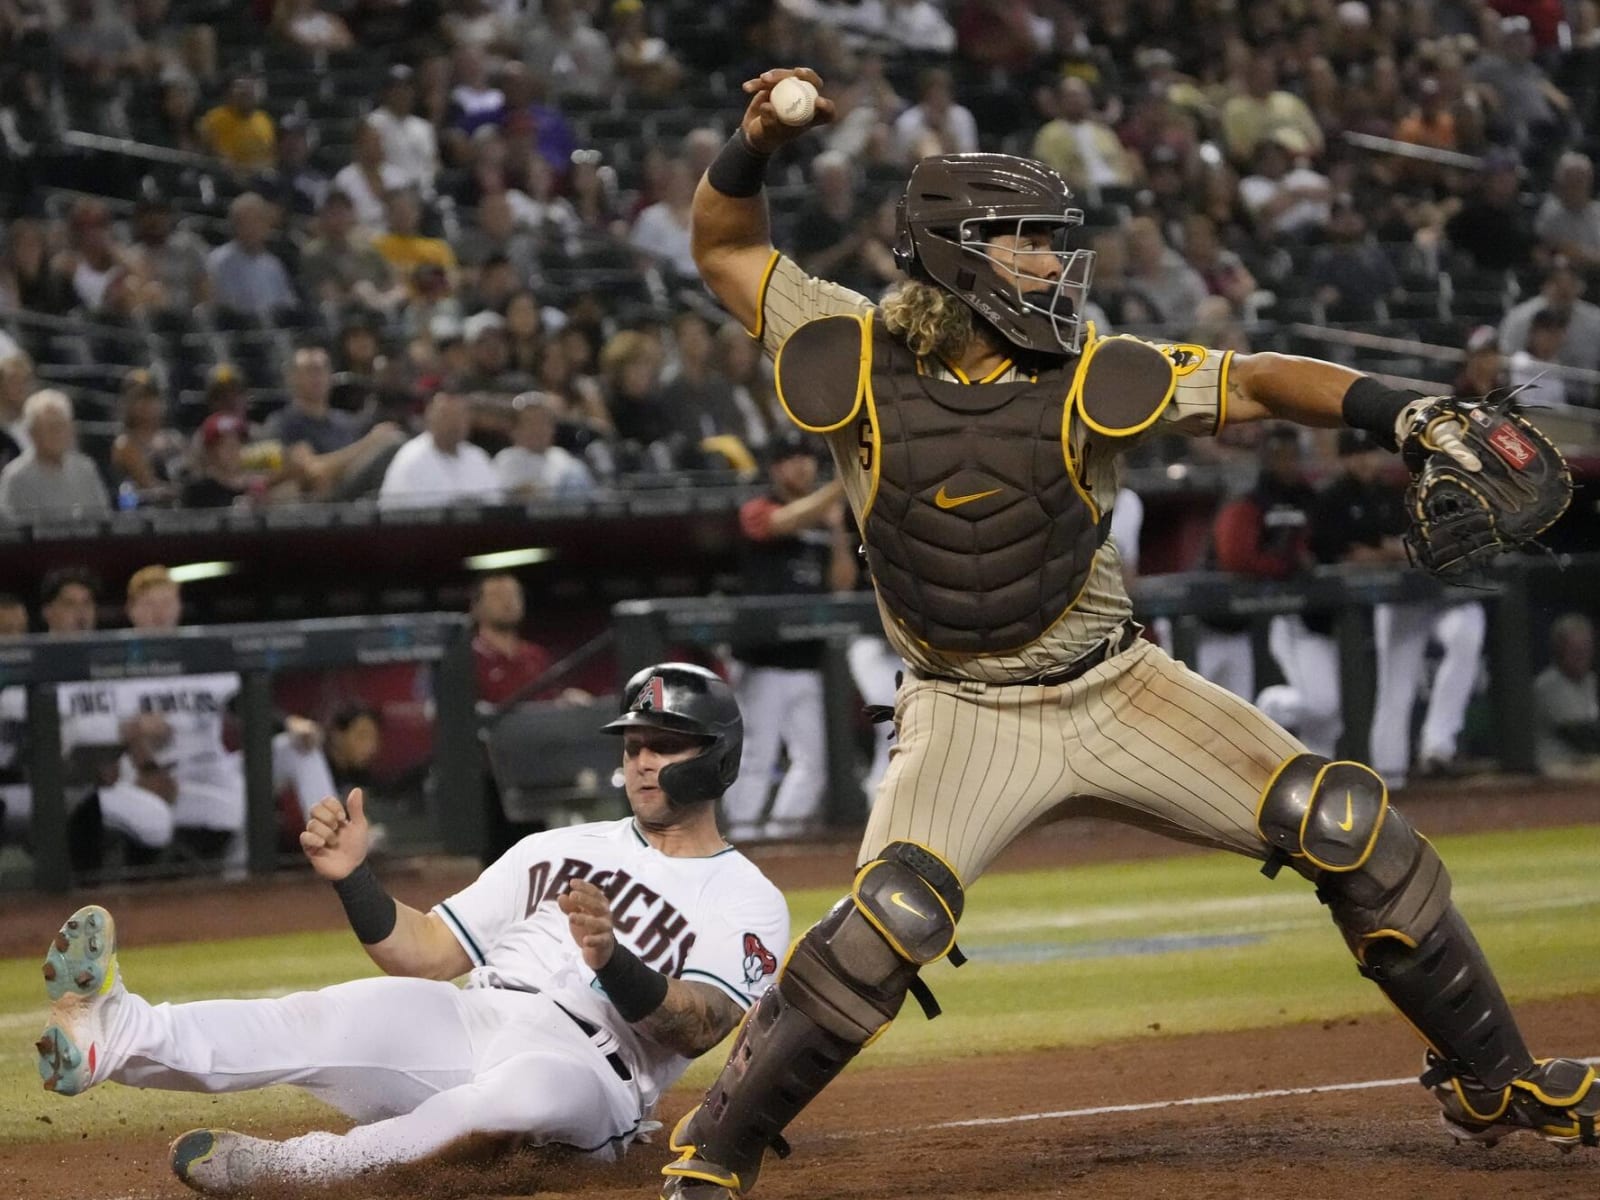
(691,700)
(956,204)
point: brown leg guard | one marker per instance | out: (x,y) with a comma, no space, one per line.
(843,983)
(1390,896)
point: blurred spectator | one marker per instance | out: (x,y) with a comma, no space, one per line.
(747,370)
(304,23)
(796,541)
(936,124)
(97,48)
(13,616)
(550,217)
(827,230)
(1429,123)
(338,265)
(1285,197)
(148,454)
(68,600)
(172,259)
(176,117)
(294,184)
(33,114)
(1221,270)
(222,480)
(644,61)
(1531,107)
(1353,275)
(404,247)
(567,50)
(52,479)
(1120,301)
(506,662)
(33,278)
(1159,273)
(474,102)
(325,446)
(1083,148)
(1566,701)
(693,387)
(439,466)
(582,401)
(487,26)
(104,275)
(1569,219)
(355,737)
(1262,535)
(245,276)
(491,286)
(1484,369)
(489,357)
(1493,227)
(661,232)
(496,235)
(410,144)
(1263,110)
(209,803)
(238,130)
(1001,33)
(594,195)
(916,25)
(369,177)
(17,383)
(171,46)
(1562,292)
(525,338)
(533,465)
(1533,370)
(630,365)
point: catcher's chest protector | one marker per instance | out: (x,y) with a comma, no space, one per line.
(978,532)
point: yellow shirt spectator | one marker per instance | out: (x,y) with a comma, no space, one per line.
(405,253)
(247,139)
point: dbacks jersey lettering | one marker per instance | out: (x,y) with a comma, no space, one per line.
(715,920)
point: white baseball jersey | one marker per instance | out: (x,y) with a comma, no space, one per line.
(193,705)
(714,920)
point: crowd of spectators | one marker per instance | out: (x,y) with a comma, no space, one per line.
(503,221)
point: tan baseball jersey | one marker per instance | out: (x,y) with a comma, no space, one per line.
(789,298)
(1140,738)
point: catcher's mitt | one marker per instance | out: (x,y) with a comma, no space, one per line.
(1463,518)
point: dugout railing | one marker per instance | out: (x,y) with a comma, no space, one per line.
(256,652)
(651,630)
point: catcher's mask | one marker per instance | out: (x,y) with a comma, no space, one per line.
(691,700)
(956,205)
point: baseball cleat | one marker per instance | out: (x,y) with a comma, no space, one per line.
(1558,1099)
(80,977)
(217,1162)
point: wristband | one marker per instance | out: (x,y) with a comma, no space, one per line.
(635,989)
(372,911)
(739,170)
(1370,405)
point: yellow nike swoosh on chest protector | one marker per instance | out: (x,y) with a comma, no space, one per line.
(944,501)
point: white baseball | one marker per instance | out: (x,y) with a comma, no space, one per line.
(794,100)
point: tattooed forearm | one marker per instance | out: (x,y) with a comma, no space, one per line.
(693,1018)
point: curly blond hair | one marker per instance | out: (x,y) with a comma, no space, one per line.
(929,320)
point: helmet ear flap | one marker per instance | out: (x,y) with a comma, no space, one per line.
(905,248)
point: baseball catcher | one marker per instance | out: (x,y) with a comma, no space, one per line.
(976,417)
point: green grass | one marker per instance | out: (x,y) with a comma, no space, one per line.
(1051,968)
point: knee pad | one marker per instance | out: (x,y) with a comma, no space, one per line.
(1332,822)
(851,971)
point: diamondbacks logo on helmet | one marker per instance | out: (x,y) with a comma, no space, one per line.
(759,962)
(652,696)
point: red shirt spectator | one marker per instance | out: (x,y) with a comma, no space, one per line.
(505,662)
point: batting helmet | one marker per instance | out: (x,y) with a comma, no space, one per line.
(690,700)
(955,205)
